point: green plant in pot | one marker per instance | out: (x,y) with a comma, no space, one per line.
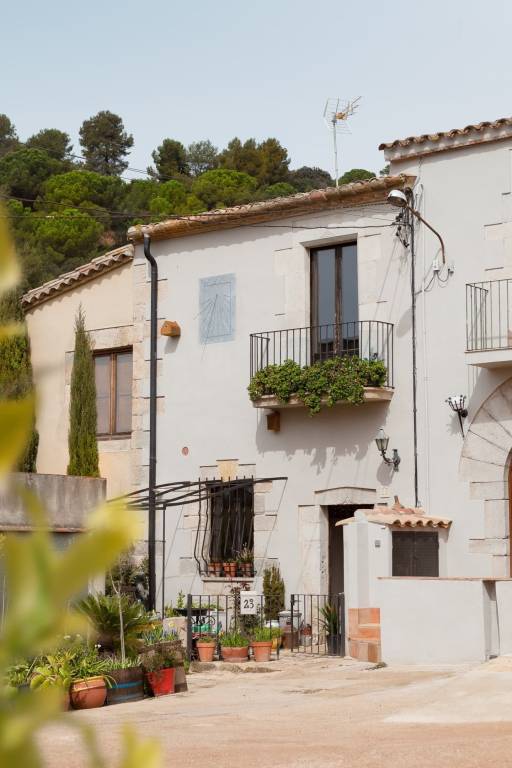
(330,621)
(160,669)
(126,679)
(90,679)
(206,645)
(54,671)
(230,566)
(19,675)
(234,647)
(273,593)
(246,561)
(106,613)
(261,643)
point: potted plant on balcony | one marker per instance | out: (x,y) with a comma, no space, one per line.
(331,624)
(261,643)
(206,645)
(159,668)
(215,568)
(234,647)
(246,561)
(230,567)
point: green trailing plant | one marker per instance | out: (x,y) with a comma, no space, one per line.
(273,593)
(337,379)
(82,442)
(233,640)
(329,619)
(103,612)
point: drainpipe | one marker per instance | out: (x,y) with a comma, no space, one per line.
(152,425)
(414,364)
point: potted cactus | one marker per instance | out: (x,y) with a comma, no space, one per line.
(234,647)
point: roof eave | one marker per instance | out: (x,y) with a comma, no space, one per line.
(358,193)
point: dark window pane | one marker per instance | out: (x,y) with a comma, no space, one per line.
(124,392)
(415,554)
(231,520)
(102,370)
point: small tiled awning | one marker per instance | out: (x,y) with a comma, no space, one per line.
(403,517)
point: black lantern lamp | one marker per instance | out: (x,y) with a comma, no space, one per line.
(458,405)
(382,441)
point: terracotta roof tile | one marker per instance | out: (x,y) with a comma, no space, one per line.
(403,517)
(69,280)
(453,133)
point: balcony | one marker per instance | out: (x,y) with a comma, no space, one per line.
(489,323)
(369,340)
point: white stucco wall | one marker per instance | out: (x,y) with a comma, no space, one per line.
(108,307)
(434,621)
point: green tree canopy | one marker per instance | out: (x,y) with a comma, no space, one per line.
(170,160)
(268,161)
(105,143)
(68,238)
(24,172)
(241,157)
(281,189)
(274,162)
(82,442)
(202,156)
(8,136)
(77,188)
(16,369)
(356,174)
(56,143)
(172,198)
(307,178)
(224,187)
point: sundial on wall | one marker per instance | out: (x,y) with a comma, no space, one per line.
(217,309)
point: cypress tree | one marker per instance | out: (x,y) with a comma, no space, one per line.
(16,380)
(83,447)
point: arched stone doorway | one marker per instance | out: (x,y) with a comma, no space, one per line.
(486,464)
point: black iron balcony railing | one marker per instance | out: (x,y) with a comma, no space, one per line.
(489,315)
(368,339)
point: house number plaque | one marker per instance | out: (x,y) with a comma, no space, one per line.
(249,603)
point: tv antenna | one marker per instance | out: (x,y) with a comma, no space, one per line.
(336,114)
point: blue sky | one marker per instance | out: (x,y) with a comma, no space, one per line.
(224,68)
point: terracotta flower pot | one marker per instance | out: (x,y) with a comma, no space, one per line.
(246,569)
(261,650)
(205,649)
(89,693)
(235,655)
(162,681)
(230,570)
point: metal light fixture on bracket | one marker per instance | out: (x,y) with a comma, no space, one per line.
(458,405)
(382,441)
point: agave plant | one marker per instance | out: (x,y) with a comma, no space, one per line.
(103,612)
(330,619)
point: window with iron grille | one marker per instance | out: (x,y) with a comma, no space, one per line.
(113,376)
(231,519)
(415,553)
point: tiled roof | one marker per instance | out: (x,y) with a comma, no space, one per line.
(357,193)
(454,133)
(403,517)
(69,280)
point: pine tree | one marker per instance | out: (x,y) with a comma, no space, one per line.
(16,370)
(83,447)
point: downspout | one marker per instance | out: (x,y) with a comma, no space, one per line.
(152,425)
(414,365)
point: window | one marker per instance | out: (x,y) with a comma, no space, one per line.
(334,301)
(415,554)
(113,374)
(231,512)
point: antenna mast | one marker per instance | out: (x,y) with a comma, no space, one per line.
(336,115)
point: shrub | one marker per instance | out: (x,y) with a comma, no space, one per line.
(273,592)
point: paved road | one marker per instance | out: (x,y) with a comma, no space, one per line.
(317,713)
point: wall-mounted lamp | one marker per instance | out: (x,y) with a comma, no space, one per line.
(382,441)
(400,200)
(458,405)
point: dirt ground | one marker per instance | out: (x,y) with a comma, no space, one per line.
(316,713)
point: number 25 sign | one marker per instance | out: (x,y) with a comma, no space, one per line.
(249,603)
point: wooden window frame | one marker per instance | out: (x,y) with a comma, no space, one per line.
(113,353)
(313,280)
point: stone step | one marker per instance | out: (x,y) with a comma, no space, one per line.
(369,615)
(366,632)
(364,650)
